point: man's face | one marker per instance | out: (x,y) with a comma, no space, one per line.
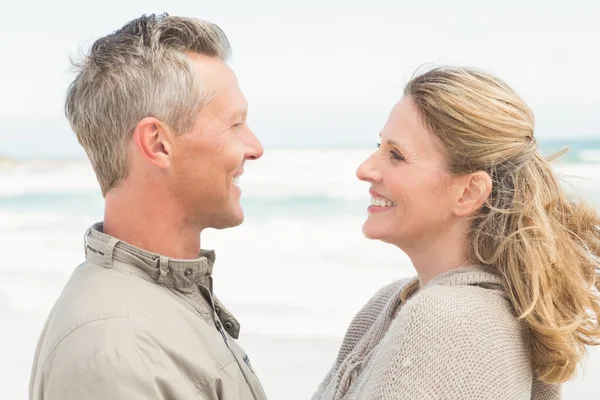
(209,160)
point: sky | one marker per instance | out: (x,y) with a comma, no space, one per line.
(316,73)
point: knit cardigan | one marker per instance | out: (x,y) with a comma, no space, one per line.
(457,337)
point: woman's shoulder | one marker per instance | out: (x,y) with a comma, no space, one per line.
(463,336)
(378,302)
(464,292)
(381,298)
(366,317)
(483,311)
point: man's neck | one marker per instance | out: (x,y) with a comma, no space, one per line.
(150,226)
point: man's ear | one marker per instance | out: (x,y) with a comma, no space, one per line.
(153,140)
(474,190)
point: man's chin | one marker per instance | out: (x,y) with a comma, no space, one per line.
(230,220)
(238,215)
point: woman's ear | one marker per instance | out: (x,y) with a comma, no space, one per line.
(474,190)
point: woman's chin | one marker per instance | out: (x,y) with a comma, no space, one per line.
(372,231)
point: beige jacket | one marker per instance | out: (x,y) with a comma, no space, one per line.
(135,325)
(455,338)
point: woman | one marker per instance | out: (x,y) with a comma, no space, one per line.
(508,268)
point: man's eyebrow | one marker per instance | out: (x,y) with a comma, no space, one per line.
(239,114)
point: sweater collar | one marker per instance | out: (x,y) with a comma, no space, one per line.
(475,275)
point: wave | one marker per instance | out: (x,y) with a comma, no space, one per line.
(282,178)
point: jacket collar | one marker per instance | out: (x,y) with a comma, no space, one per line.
(179,274)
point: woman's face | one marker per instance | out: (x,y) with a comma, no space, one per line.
(411,196)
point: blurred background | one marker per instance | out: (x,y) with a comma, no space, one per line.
(320,78)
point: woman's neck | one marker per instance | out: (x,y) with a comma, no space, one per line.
(439,254)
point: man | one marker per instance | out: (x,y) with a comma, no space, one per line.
(163,122)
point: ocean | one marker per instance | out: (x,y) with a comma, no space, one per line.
(294,274)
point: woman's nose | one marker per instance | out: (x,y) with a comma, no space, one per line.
(367,171)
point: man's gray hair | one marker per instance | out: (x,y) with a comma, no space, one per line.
(141,70)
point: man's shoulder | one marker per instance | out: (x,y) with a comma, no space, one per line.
(108,316)
(91,296)
(93,293)
(98,307)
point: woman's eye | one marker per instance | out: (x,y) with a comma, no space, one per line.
(396,156)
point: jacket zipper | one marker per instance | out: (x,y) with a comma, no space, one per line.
(211,306)
(220,329)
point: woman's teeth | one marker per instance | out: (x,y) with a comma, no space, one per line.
(236,180)
(379,202)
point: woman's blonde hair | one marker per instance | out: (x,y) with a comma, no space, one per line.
(544,246)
